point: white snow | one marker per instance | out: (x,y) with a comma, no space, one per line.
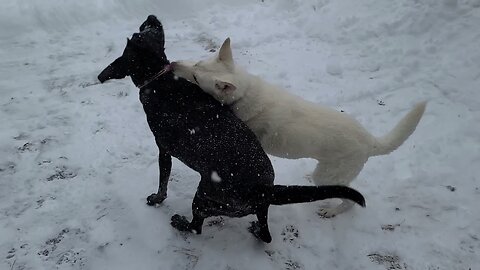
(78,159)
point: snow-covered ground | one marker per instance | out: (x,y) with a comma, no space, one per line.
(78,159)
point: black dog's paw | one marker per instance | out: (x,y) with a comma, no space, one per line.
(180,223)
(260,233)
(155,198)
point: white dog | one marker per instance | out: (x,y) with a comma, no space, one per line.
(290,127)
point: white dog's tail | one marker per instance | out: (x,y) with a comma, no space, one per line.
(386,144)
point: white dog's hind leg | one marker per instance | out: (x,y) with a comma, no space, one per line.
(339,172)
(331,212)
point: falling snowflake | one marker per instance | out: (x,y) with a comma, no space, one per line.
(215,178)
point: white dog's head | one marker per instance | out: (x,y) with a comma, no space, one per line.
(216,76)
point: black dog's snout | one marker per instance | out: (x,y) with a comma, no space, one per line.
(118,69)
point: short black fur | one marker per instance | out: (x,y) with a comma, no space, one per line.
(192,126)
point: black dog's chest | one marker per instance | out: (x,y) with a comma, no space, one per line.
(146,96)
(153,101)
(175,124)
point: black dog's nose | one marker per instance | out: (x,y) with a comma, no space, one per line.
(152,18)
(102,78)
(105,75)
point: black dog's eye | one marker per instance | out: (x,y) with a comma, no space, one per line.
(195,78)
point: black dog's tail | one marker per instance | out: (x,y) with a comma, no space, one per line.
(302,194)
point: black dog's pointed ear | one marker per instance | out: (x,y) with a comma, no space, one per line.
(134,41)
(137,41)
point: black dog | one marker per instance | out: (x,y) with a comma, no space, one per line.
(236,174)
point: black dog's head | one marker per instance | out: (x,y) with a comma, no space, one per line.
(143,56)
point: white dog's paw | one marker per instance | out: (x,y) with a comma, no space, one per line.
(328,212)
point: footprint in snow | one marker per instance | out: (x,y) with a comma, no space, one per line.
(283,261)
(7,168)
(62,249)
(290,234)
(62,172)
(389,261)
(11,253)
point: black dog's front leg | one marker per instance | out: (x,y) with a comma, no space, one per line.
(165,166)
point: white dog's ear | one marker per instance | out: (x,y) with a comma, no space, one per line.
(225,53)
(224,87)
